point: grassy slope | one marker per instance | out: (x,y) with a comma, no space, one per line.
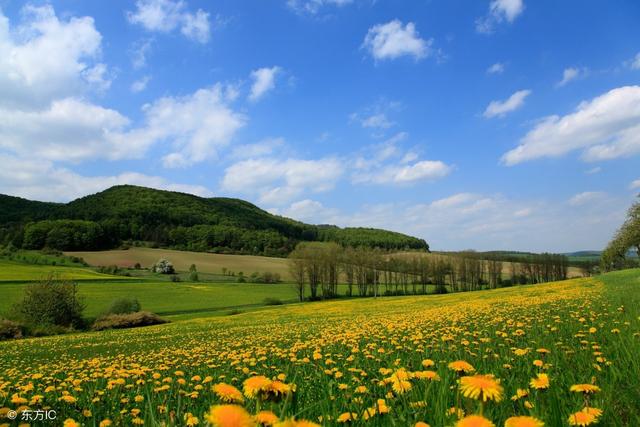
(205,262)
(11,271)
(192,345)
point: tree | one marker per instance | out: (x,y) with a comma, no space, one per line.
(297,270)
(163,266)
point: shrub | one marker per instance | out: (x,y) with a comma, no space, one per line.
(129,320)
(234,312)
(174,278)
(273,301)
(51,302)
(193,273)
(124,306)
(137,266)
(10,330)
(163,266)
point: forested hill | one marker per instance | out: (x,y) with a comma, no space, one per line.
(170,219)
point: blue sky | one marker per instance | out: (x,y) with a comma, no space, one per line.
(497,124)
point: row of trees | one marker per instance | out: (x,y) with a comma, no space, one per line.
(626,238)
(372,272)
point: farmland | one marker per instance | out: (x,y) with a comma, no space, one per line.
(386,361)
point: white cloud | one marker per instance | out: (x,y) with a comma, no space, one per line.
(309,210)
(276,181)
(264,80)
(593,171)
(72,130)
(635,62)
(424,170)
(139,52)
(377,121)
(606,127)
(586,197)
(140,84)
(499,11)
(497,68)
(42,180)
(570,74)
(45,58)
(392,40)
(501,108)
(167,15)
(314,6)
(635,184)
(196,125)
(263,148)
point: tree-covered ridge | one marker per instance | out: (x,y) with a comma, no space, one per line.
(172,219)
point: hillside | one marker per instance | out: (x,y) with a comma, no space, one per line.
(173,220)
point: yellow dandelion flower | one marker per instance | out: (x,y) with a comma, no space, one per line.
(461,366)
(541,382)
(421,424)
(401,387)
(266,418)
(584,388)
(474,421)
(347,417)
(427,363)
(582,419)
(481,387)
(105,423)
(523,422)
(229,416)
(228,393)
(254,385)
(70,422)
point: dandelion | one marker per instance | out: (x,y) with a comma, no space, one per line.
(461,366)
(421,424)
(105,423)
(70,422)
(227,393)
(541,382)
(346,417)
(474,421)
(254,385)
(266,418)
(523,421)
(481,387)
(582,419)
(229,416)
(584,388)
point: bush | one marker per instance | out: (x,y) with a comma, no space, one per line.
(272,301)
(234,312)
(163,266)
(130,320)
(175,278)
(51,302)
(10,330)
(124,306)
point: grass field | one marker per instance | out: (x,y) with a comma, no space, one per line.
(376,362)
(182,260)
(11,271)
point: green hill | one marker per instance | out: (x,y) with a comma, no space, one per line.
(174,220)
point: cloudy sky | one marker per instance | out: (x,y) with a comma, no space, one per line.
(489,124)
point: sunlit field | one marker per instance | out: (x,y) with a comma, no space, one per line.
(562,353)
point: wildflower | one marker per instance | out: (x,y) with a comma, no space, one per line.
(229,416)
(401,386)
(541,382)
(190,420)
(474,421)
(421,424)
(254,385)
(227,393)
(584,388)
(67,398)
(520,393)
(347,416)
(266,418)
(582,419)
(481,387)
(461,366)
(105,423)
(427,363)
(139,398)
(427,375)
(523,422)
(69,422)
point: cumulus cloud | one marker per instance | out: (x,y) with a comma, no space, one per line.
(570,74)
(72,130)
(501,108)
(635,184)
(139,52)
(605,127)
(45,58)
(635,62)
(314,6)
(168,15)
(585,197)
(276,181)
(497,68)
(264,80)
(140,84)
(393,40)
(42,180)
(263,148)
(499,11)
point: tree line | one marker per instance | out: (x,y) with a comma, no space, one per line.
(626,238)
(319,268)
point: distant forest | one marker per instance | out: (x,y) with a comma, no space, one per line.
(130,214)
